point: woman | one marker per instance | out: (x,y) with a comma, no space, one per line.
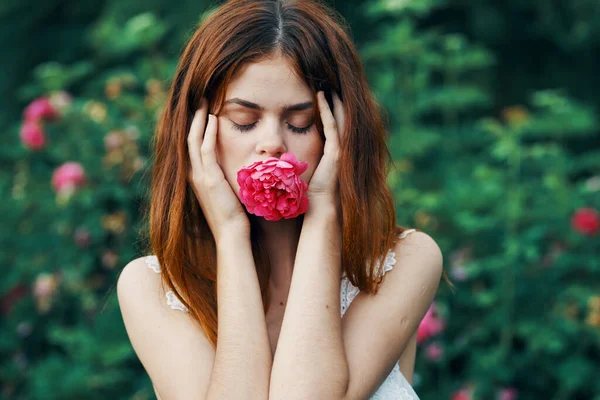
(253,84)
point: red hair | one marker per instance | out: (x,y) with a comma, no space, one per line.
(315,40)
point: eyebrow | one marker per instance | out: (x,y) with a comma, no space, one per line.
(294,107)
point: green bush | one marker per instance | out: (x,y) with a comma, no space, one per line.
(501,172)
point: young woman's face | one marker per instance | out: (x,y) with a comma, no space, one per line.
(256,121)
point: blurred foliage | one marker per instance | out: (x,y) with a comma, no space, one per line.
(493,125)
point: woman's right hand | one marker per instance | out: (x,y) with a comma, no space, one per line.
(221,207)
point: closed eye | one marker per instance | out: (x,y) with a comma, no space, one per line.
(246,128)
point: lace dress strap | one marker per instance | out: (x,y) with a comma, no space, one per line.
(390,259)
(172,300)
(406,232)
(348,291)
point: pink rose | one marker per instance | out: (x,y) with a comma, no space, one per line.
(507,394)
(45,285)
(70,175)
(113,140)
(586,221)
(32,135)
(60,101)
(430,325)
(273,188)
(434,351)
(109,259)
(462,395)
(40,108)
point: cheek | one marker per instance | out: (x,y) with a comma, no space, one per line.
(313,157)
(226,158)
(228,148)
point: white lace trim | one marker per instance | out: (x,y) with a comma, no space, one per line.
(172,300)
(406,232)
(348,291)
(152,262)
(388,264)
(395,387)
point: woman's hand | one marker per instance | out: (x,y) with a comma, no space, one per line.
(221,207)
(323,185)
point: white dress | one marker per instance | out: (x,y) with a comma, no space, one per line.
(395,386)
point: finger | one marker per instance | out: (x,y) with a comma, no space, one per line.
(339,115)
(195,138)
(209,158)
(329,124)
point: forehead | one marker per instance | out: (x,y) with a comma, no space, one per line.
(269,82)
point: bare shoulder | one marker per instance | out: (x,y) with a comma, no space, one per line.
(420,239)
(396,310)
(172,348)
(422,246)
(425,247)
(138,277)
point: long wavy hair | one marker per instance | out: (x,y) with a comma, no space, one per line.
(316,41)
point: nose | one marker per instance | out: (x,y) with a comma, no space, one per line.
(270,143)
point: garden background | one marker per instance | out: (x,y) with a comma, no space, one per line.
(493,127)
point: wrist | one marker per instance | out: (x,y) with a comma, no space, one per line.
(235,233)
(322,208)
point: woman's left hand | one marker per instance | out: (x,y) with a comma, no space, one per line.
(323,185)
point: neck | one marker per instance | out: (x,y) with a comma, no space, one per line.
(281,241)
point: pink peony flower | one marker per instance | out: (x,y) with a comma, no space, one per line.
(507,394)
(273,188)
(60,101)
(113,140)
(32,135)
(68,176)
(462,395)
(40,108)
(434,351)
(586,221)
(45,285)
(109,259)
(430,325)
